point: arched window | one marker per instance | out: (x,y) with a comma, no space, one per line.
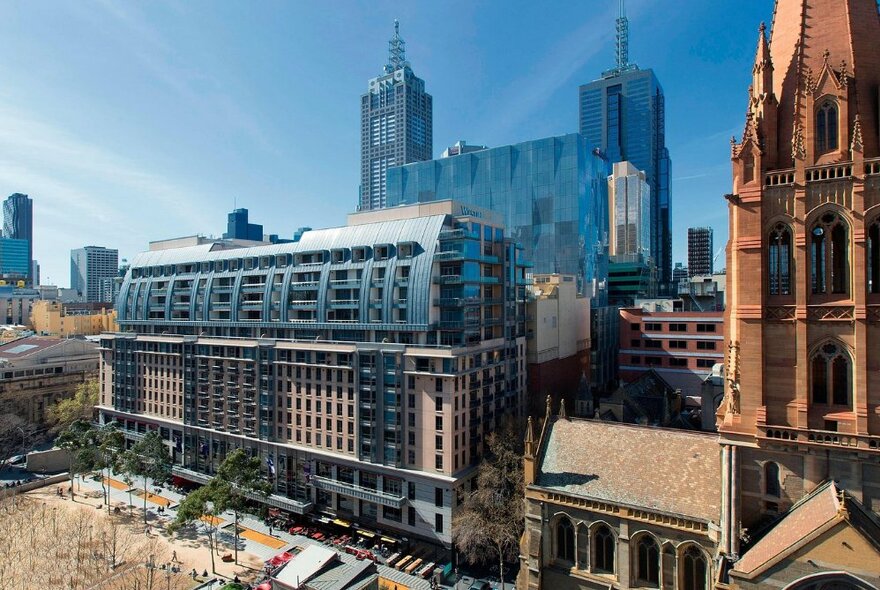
(780,260)
(603,550)
(647,562)
(829,255)
(874,257)
(771,479)
(564,540)
(826,127)
(694,569)
(830,376)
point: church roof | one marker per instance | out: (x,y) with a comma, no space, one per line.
(823,508)
(670,471)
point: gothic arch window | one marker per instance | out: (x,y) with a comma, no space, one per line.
(874,257)
(564,540)
(771,479)
(826,127)
(582,545)
(647,562)
(694,569)
(603,550)
(779,266)
(830,376)
(829,255)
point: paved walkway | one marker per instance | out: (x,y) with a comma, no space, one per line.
(255,538)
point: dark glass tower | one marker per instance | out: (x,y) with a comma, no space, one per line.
(396,123)
(623,114)
(18,224)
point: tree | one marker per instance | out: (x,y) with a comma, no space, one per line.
(78,439)
(238,477)
(79,407)
(110,447)
(198,506)
(16,435)
(491,518)
(149,459)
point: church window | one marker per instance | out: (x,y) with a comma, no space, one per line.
(771,479)
(647,572)
(780,260)
(693,569)
(829,255)
(826,127)
(603,550)
(874,257)
(564,540)
(830,375)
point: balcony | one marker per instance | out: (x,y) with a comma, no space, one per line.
(344,303)
(358,492)
(339,283)
(304,285)
(449,255)
(304,303)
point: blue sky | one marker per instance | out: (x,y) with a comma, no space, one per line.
(130,122)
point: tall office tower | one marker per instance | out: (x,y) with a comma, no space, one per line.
(623,114)
(803,275)
(238,227)
(629,206)
(88,266)
(552,194)
(18,224)
(700,250)
(396,123)
(367,363)
(14,260)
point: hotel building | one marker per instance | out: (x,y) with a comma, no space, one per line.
(364,364)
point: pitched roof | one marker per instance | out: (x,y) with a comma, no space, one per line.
(670,471)
(823,508)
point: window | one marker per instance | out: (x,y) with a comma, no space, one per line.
(705,363)
(675,362)
(653,344)
(653,361)
(636,343)
(826,127)
(779,265)
(693,569)
(438,442)
(564,540)
(680,344)
(830,374)
(653,327)
(438,497)
(705,327)
(703,345)
(678,327)
(438,523)
(873,270)
(829,255)
(635,360)
(438,462)
(647,562)
(634,327)
(771,479)
(411,516)
(603,550)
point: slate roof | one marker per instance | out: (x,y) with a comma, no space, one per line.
(815,511)
(672,471)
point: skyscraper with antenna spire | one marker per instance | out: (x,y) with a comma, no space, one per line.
(396,123)
(623,114)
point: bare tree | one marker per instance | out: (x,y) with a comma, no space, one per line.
(16,435)
(491,518)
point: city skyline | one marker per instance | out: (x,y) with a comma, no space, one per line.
(142,164)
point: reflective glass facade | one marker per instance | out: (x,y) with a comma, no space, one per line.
(624,116)
(14,261)
(551,193)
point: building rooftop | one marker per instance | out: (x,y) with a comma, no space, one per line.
(631,465)
(25,347)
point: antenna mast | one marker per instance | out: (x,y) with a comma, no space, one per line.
(396,51)
(621,46)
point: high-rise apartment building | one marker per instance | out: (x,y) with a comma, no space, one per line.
(623,114)
(552,195)
(88,266)
(367,363)
(396,123)
(18,224)
(700,251)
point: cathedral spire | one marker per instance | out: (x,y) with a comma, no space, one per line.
(762,71)
(396,51)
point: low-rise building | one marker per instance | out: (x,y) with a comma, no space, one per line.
(681,346)
(16,304)
(37,371)
(63,320)
(558,339)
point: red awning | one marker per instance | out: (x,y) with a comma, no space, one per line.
(280,559)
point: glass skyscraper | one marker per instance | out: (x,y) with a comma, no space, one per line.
(14,262)
(623,114)
(18,224)
(396,123)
